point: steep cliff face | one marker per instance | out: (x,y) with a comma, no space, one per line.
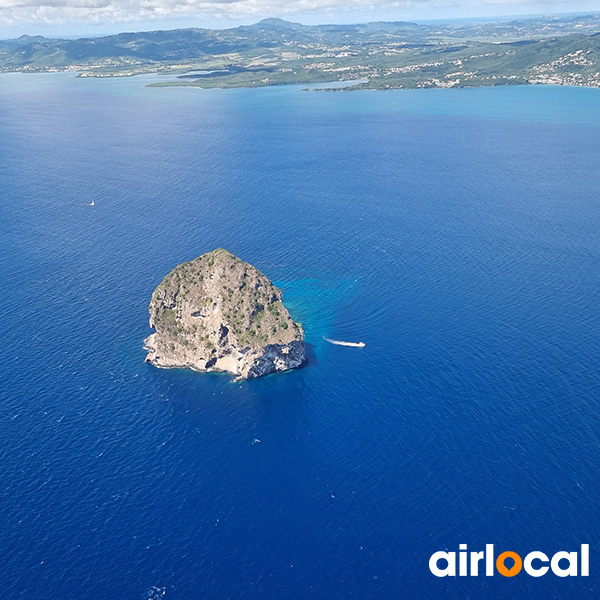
(218,313)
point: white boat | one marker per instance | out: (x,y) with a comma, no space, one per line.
(340,343)
(91,203)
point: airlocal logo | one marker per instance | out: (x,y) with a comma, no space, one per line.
(535,563)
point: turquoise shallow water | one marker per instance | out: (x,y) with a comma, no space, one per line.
(453,231)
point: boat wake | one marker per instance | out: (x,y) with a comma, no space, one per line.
(340,343)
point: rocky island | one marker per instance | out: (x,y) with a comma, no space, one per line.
(218,313)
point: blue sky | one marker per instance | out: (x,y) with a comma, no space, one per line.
(72,17)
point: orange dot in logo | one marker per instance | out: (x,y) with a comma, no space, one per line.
(514,570)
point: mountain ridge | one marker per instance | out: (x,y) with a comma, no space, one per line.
(379,54)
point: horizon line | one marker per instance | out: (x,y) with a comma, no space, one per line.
(442,20)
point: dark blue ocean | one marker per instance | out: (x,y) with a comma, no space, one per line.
(456,232)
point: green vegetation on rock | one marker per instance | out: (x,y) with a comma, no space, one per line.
(220,313)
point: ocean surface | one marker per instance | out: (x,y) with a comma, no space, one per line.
(455,232)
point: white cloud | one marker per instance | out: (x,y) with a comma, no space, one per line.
(54,12)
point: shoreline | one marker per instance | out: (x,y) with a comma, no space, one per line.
(320,85)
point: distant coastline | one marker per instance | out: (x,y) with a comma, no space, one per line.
(381,55)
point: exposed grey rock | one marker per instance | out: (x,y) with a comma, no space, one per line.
(218,313)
